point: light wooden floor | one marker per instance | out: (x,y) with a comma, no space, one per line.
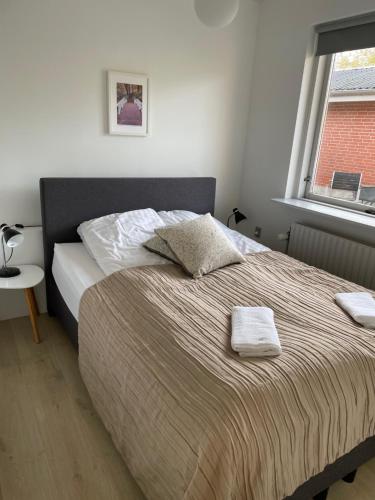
(52,444)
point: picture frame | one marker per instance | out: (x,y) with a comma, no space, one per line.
(128,104)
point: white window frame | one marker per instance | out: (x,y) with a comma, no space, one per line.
(316,120)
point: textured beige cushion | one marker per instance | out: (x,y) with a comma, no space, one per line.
(200,245)
(159,246)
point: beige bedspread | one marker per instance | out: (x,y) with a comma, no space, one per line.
(193,420)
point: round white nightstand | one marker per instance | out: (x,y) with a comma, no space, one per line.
(30,276)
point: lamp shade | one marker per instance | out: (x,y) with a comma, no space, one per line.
(12,238)
(216,13)
(238,216)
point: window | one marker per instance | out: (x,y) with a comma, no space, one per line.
(342,161)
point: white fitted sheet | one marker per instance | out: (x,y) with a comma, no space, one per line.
(74,271)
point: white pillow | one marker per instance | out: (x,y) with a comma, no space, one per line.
(115,241)
(176,216)
(81,235)
(243,244)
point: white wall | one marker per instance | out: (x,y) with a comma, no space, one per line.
(284,32)
(53,57)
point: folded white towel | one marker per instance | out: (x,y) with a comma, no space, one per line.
(360,306)
(254,333)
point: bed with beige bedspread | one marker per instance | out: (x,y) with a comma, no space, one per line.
(191,419)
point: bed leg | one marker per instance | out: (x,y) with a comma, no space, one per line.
(322,495)
(349,478)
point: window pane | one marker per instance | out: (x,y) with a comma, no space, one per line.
(345,164)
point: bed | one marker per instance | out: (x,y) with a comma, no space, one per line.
(68,202)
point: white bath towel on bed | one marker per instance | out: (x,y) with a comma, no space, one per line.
(360,306)
(254,332)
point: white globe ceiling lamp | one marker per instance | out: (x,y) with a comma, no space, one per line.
(216,13)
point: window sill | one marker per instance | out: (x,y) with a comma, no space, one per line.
(343,214)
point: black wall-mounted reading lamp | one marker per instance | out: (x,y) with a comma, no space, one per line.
(238,216)
(11,238)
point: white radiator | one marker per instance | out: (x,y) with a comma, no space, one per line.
(346,258)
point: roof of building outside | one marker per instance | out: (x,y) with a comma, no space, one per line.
(360,79)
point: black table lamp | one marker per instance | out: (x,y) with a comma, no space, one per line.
(11,238)
(238,216)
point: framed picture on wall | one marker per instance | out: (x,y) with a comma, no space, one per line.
(128,106)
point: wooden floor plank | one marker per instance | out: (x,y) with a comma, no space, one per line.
(53,445)
(8,348)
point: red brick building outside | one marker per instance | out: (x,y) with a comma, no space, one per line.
(348,143)
(348,140)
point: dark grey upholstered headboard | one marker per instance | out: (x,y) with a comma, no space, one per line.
(66,202)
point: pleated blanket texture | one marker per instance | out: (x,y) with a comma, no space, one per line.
(191,419)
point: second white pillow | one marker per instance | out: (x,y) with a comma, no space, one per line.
(115,241)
